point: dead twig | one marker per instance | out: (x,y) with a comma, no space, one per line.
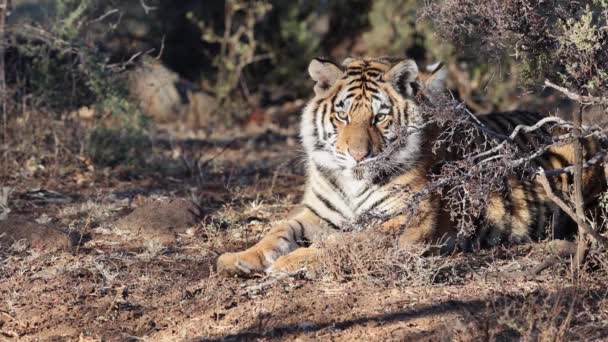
(119,292)
(582,99)
(224,149)
(258,288)
(7,333)
(162,48)
(559,249)
(147,9)
(522,129)
(542,178)
(597,158)
(130,60)
(11,318)
(105,15)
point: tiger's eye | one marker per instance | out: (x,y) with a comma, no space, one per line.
(381,117)
(342,116)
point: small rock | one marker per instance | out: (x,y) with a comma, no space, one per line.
(161,220)
(36,235)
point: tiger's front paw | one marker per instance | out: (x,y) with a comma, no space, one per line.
(244,263)
(301,258)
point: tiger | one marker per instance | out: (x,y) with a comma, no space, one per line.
(358,111)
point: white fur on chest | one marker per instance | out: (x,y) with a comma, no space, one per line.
(348,196)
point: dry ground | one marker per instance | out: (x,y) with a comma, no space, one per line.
(139,264)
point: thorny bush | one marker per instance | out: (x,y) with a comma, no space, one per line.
(471,162)
(554,39)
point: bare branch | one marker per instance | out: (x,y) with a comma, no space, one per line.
(162,48)
(4,7)
(524,129)
(103,16)
(582,99)
(258,288)
(566,208)
(597,158)
(147,8)
(523,160)
(130,60)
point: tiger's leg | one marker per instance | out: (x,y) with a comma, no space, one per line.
(427,225)
(296,260)
(282,239)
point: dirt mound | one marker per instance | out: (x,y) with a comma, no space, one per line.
(161,220)
(32,234)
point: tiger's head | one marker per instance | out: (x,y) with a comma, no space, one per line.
(363,106)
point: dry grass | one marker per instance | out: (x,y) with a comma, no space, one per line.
(374,258)
(569,313)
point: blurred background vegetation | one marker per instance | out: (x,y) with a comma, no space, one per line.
(122,68)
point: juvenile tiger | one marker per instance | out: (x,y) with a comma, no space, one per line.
(357,111)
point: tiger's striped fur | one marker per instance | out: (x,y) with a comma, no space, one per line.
(357,112)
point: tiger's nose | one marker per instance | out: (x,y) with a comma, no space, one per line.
(359,154)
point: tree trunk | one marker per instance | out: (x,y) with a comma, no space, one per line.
(578,187)
(3,98)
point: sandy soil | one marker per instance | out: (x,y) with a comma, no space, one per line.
(119,256)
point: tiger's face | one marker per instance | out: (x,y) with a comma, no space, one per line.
(361,108)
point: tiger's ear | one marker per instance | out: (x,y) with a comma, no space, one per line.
(435,82)
(402,75)
(325,73)
(347,61)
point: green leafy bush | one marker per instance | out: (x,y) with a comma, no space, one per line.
(60,66)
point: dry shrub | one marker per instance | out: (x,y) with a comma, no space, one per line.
(597,261)
(375,258)
(570,312)
(39,145)
(565,315)
(472,162)
(67,102)
(553,38)
(462,178)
